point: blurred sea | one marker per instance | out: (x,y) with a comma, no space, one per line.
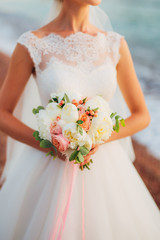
(137,20)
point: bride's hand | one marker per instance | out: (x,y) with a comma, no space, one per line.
(88,156)
(61,156)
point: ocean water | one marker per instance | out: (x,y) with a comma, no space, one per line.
(137,20)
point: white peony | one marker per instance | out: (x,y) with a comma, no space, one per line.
(88,142)
(53,111)
(99,102)
(43,122)
(75,138)
(71,95)
(61,123)
(74,95)
(92,103)
(101,128)
(69,113)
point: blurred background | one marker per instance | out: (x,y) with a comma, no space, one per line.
(139,22)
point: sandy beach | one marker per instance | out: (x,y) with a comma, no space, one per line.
(146,164)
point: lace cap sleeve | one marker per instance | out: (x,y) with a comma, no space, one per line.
(30,41)
(115,46)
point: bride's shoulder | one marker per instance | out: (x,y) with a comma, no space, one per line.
(114,35)
(115,39)
(31,42)
(26,36)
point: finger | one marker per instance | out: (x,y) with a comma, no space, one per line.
(86,160)
(93,145)
(88,156)
(92,151)
(61,156)
(81,164)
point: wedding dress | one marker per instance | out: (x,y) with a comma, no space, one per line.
(108,202)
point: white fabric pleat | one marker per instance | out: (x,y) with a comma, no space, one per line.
(117,203)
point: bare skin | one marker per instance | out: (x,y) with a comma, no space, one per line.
(72,18)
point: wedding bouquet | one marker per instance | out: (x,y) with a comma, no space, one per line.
(71,124)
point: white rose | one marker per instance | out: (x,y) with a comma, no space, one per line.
(69,113)
(43,122)
(88,142)
(74,95)
(92,103)
(101,128)
(61,123)
(75,138)
(53,111)
(99,102)
(103,105)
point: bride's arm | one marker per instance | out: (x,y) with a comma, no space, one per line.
(132,92)
(20,69)
(133,95)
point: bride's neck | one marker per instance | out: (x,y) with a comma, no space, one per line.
(74,18)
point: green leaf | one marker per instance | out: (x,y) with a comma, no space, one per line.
(55,99)
(35,111)
(73,155)
(95,109)
(55,149)
(59,106)
(66,98)
(50,100)
(122,122)
(36,136)
(46,144)
(79,121)
(77,159)
(87,166)
(88,109)
(50,153)
(84,99)
(113,114)
(84,151)
(40,107)
(80,157)
(117,125)
(117,117)
(79,129)
(117,129)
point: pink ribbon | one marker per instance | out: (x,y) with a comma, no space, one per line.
(61,218)
(83,210)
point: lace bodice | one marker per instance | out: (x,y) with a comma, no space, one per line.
(79,62)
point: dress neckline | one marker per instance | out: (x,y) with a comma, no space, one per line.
(71,36)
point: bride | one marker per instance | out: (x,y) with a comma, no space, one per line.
(42,199)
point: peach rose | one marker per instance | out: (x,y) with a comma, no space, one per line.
(86,121)
(60,142)
(55,128)
(81,109)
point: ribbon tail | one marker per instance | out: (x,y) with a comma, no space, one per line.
(63,208)
(83,210)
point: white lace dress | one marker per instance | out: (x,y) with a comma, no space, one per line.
(109,202)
